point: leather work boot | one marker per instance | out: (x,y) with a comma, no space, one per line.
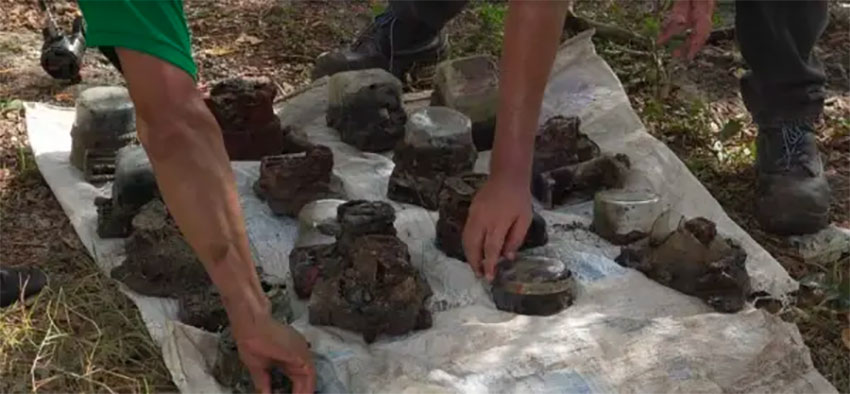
(793,195)
(14,281)
(389,43)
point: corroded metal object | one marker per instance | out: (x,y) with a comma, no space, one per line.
(243,108)
(438,144)
(288,182)
(568,166)
(133,187)
(379,292)
(365,107)
(623,216)
(533,286)
(358,218)
(694,260)
(560,143)
(364,282)
(354,219)
(470,85)
(581,180)
(105,122)
(160,263)
(308,264)
(455,199)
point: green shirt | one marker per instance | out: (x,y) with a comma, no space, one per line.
(154,27)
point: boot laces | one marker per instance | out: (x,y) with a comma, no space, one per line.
(372,34)
(793,141)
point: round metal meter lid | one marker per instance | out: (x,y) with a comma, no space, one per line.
(630,197)
(533,275)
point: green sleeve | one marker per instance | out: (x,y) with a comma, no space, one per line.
(155,27)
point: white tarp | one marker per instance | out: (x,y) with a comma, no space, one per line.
(624,333)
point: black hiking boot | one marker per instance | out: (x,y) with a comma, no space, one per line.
(792,192)
(389,43)
(17,283)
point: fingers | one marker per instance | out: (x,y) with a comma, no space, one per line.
(473,238)
(676,22)
(303,381)
(516,236)
(262,380)
(493,242)
(702,26)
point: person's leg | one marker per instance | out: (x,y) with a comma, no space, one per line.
(784,91)
(776,39)
(432,14)
(409,32)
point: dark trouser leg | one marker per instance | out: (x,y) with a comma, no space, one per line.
(406,35)
(786,83)
(430,13)
(785,93)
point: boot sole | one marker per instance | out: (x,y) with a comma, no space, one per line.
(799,223)
(403,63)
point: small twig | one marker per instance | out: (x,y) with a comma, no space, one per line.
(633,52)
(30,244)
(576,23)
(279,86)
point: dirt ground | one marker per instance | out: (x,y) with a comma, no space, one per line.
(82,334)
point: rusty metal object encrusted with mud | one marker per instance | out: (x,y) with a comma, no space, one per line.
(455,198)
(437,144)
(365,107)
(243,108)
(693,259)
(133,187)
(364,282)
(105,122)
(288,182)
(533,286)
(568,165)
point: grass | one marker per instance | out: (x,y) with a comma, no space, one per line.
(80,334)
(83,335)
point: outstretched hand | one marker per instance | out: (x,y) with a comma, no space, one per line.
(498,220)
(264,344)
(691,17)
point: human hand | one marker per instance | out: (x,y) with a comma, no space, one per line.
(496,225)
(693,15)
(265,343)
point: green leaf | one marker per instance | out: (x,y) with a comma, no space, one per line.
(11,105)
(731,129)
(651,26)
(378,8)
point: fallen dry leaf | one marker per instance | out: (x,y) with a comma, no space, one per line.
(219,51)
(249,39)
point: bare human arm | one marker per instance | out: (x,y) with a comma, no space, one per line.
(501,211)
(184,144)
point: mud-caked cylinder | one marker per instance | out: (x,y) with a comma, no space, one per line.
(533,286)
(437,145)
(105,122)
